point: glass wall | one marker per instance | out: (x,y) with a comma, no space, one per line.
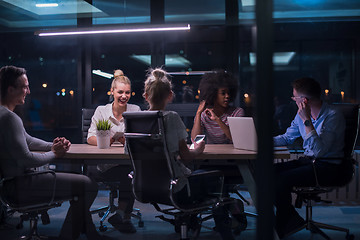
(52,107)
(311,38)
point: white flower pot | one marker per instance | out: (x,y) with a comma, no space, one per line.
(103,138)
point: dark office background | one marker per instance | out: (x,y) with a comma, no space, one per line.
(318,38)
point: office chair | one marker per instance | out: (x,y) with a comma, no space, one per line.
(105,211)
(30,211)
(154,179)
(308,195)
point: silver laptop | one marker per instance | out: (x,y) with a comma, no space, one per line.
(243,133)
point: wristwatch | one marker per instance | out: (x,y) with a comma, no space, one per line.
(307,123)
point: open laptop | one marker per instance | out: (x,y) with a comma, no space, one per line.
(243,133)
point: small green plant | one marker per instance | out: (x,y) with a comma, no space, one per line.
(103,125)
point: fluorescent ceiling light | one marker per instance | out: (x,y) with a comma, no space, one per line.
(247,6)
(46,5)
(279,58)
(248,3)
(102,30)
(283,58)
(171,60)
(102,74)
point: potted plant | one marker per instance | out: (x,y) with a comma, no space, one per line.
(103,133)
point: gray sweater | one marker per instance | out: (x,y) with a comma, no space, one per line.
(16,146)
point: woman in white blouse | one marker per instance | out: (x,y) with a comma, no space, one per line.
(121,92)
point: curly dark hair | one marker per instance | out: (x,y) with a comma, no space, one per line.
(211,82)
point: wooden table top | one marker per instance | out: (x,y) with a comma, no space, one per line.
(212,151)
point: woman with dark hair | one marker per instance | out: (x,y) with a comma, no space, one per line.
(17,159)
(217,90)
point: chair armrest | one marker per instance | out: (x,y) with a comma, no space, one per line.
(213,181)
(315,174)
(345,162)
(207,173)
(51,201)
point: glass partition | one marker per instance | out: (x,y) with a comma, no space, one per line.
(311,38)
(52,107)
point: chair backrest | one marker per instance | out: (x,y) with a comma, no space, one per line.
(351,114)
(87,114)
(145,142)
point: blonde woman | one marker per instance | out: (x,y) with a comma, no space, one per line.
(158,93)
(121,92)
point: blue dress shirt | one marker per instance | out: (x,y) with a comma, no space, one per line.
(326,141)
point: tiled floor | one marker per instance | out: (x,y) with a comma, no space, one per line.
(345,216)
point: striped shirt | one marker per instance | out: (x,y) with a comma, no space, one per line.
(214,134)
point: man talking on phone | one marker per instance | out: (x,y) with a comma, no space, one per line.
(322,129)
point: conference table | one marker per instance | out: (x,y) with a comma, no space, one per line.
(214,154)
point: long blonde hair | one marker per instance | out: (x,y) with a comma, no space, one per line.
(157,87)
(119,77)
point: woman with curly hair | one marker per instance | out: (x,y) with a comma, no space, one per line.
(217,90)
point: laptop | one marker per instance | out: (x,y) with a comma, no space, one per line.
(243,133)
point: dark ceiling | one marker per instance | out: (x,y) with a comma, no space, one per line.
(23,15)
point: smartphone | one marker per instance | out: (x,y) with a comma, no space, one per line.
(197,139)
(207,113)
(117,135)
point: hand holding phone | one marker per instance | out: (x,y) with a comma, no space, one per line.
(197,139)
(118,135)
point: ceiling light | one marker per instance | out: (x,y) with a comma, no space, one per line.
(101,30)
(46,5)
(247,3)
(102,74)
(47,8)
(279,58)
(171,60)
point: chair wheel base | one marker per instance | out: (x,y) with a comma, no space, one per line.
(103,228)
(33,237)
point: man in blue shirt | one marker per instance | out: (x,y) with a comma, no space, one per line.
(322,129)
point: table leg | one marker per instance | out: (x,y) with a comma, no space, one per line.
(249,181)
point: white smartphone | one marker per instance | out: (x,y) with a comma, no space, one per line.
(197,139)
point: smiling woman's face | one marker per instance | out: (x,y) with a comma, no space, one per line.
(121,93)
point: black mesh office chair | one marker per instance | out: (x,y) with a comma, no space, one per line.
(30,211)
(308,195)
(154,179)
(104,212)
